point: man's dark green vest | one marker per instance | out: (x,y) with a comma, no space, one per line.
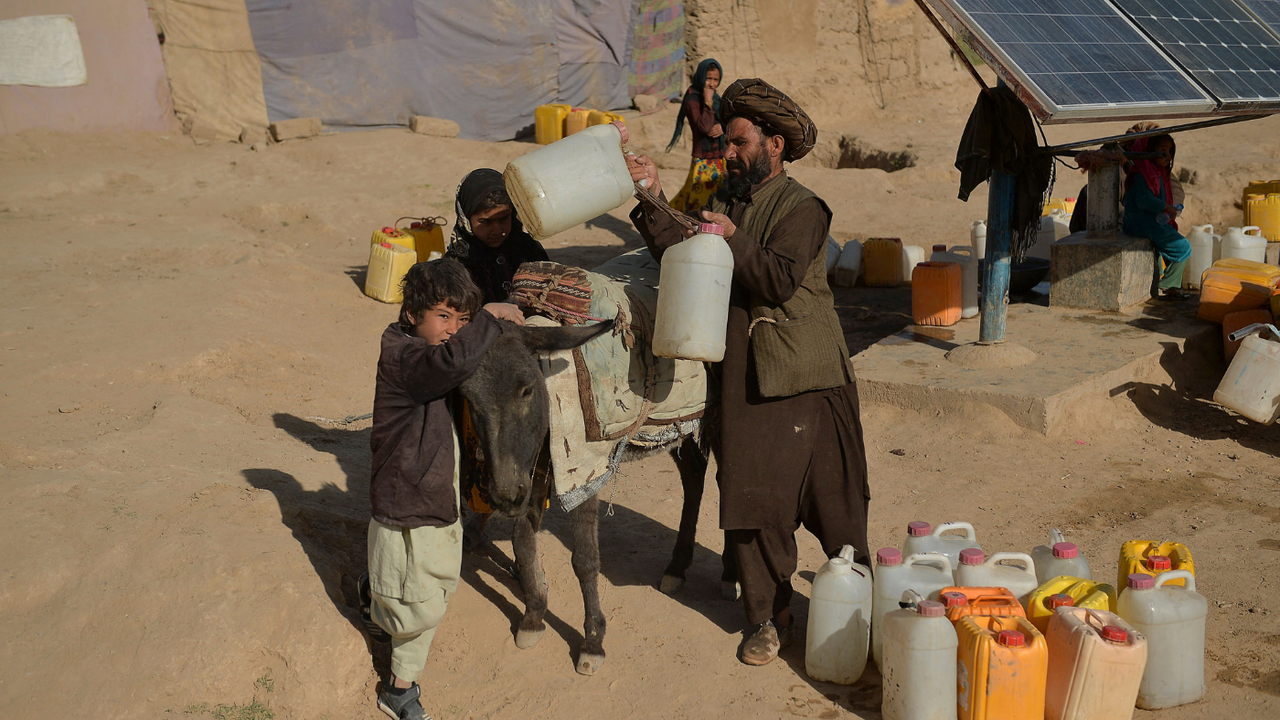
(798,346)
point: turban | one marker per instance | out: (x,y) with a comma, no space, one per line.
(757,100)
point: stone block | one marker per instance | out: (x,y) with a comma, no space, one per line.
(296,128)
(439,127)
(1103,273)
(645,103)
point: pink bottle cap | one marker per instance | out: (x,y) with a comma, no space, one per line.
(954,599)
(1010,638)
(972,556)
(1114,634)
(712,228)
(929,608)
(1141,581)
(1065,550)
(939,248)
(919,528)
(1060,600)
(1159,563)
(889,556)
(622,128)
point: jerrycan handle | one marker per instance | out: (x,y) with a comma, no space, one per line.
(929,558)
(990,600)
(1029,564)
(969,534)
(847,552)
(1055,537)
(1246,230)
(1165,577)
(966,250)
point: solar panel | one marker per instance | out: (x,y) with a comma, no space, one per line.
(1220,44)
(1268,11)
(1076,59)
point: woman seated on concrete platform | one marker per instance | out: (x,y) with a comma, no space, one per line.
(1149,212)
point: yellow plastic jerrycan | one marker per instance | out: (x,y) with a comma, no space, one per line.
(1151,557)
(1264,212)
(387,265)
(1066,205)
(576,121)
(428,236)
(1003,664)
(600,117)
(882,262)
(395,237)
(548,122)
(1259,187)
(1069,591)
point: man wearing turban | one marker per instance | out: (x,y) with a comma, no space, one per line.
(790,449)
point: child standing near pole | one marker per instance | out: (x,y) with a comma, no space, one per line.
(415,541)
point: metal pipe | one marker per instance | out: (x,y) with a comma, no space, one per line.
(1057,149)
(996,271)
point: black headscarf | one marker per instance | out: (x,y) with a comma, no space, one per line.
(695,89)
(491,268)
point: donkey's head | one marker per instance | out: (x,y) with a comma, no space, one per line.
(509,405)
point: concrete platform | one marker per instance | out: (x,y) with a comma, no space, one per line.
(1082,355)
(1101,273)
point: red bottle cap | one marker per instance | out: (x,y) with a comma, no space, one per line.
(954,599)
(389,230)
(1010,638)
(889,556)
(1060,600)
(1065,550)
(929,608)
(712,228)
(972,556)
(1159,563)
(939,248)
(1141,581)
(415,225)
(919,528)
(1114,634)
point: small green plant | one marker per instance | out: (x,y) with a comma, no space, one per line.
(250,711)
(265,683)
(194,709)
(284,223)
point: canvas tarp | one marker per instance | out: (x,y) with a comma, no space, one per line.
(41,51)
(657,49)
(126,88)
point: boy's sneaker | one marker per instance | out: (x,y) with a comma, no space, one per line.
(401,704)
(376,633)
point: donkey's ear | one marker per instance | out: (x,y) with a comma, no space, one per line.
(550,339)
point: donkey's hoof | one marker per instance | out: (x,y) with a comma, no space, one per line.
(670,584)
(526,639)
(730,590)
(589,664)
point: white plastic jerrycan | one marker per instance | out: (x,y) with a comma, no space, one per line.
(962,255)
(1206,248)
(1246,243)
(1251,385)
(693,296)
(849,266)
(833,254)
(570,181)
(1053,227)
(978,238)
(1172,619)
(839,620)
(919,664)
(924,573)
(923,537)
(912,255)
(1096,661)
(1059,557)
(976,570)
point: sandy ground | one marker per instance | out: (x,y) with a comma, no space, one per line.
(183,520)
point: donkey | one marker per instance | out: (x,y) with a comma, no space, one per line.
(511,409)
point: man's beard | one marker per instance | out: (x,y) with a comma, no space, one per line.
(736,188)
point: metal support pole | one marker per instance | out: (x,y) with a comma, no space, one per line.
(995,280)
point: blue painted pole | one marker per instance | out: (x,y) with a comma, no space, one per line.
(995,281)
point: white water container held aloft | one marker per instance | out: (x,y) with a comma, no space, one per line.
(1059,557)
(923,538)
(1206,249)
(570,181)
(919,664)
(1246,243)
(976,570)
(839,620)
(1251,386)
(833,254)
(693,296)
(978,238)
(925,573)
(1172,620)
(963,256)
(849,267)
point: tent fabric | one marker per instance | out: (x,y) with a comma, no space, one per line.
(41,51)
(127,88)
(214,72)
(485,64)
(657,49)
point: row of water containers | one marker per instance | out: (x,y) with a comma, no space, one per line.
(887,262)
(959,634)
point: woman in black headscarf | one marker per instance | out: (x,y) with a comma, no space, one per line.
(487,237)
(701,106)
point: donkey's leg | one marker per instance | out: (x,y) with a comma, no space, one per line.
(693,472)
(525,544)
(586,565)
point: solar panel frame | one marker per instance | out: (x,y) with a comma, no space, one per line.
(1034,30)
(1267,12)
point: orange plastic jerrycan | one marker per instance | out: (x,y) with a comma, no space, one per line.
(1234,284)
(548,122)
(1151,557)
(1001,670)
(882,262)
(935,293)
(1066,591)
(428,236)
(576,121)
(963,602)
(1096,661)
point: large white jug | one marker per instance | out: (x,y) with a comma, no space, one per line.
(1251,386)
(1204,250)
(839,620)
(974,572)
(1059,557)
(849,266)
(978,238)
(923,538)
(912,255)
(1053,227)
(925,573)
(833,254)
(1246,243)
(962,255)
(693,296)
(570,181)
(1172,619)
(919,664)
